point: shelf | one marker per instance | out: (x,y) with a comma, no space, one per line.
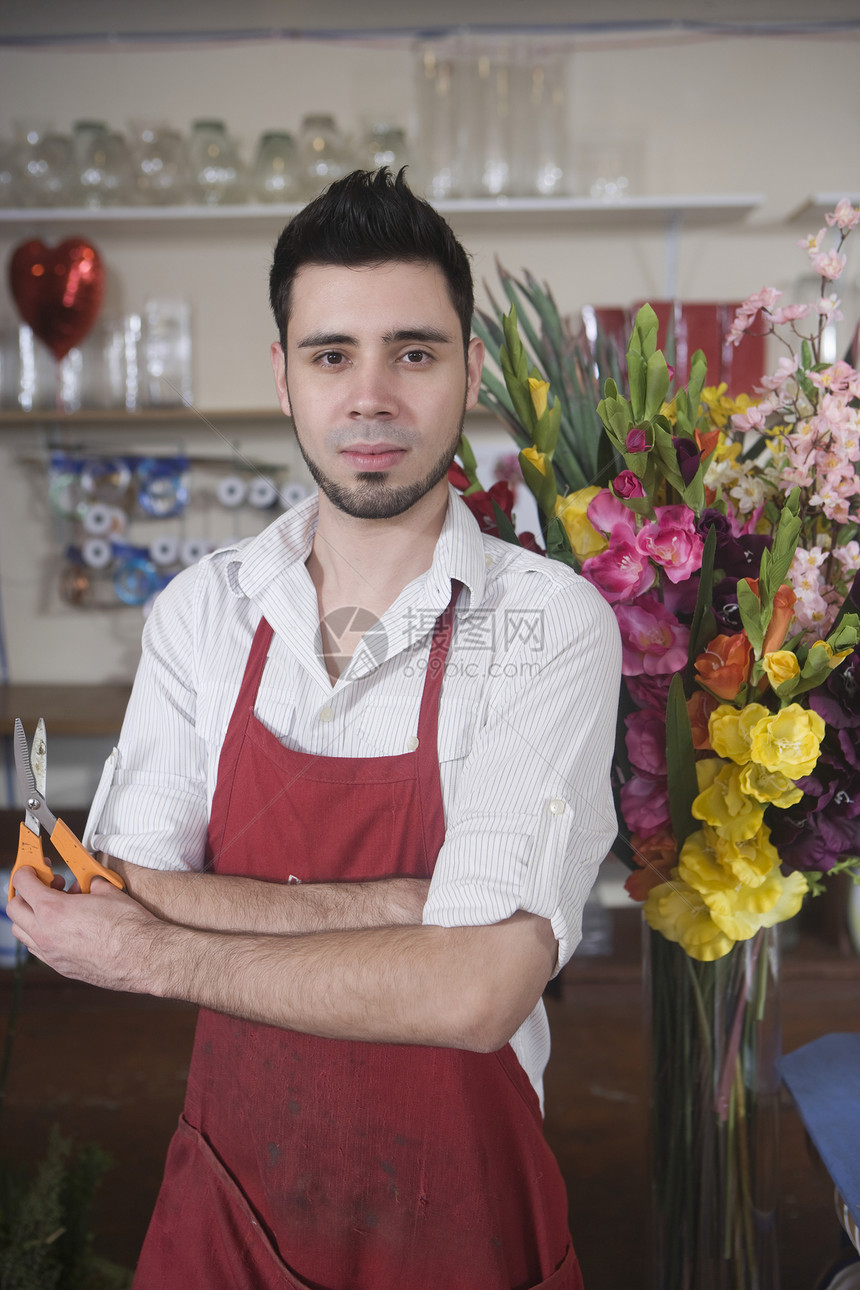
(104,417)
(659,212)
(67,709)
(818,205)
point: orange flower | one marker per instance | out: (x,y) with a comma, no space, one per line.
(725,665)
(706,441)
(781,616)
(700,705)
(655,857)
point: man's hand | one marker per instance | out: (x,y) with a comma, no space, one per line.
(104,937)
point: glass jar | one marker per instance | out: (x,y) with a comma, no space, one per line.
(276,174)
(46,167)
(442,131)
(9,179)
(159,166)
(214,164)
(103,167)
(385,145)
(324,153)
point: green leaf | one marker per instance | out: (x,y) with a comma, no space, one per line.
(637,377)
(751,616)
(657,386)
(558,544)
(645,330)
(807,359)
(680,763)
(507,532)
(702,628)
(542,486)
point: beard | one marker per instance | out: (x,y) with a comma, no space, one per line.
(371,496)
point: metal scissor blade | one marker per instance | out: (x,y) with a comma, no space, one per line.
(27,785)
(39,757)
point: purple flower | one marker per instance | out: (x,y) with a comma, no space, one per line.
(649,690)
(646,741)
(838,700)
(637,440)
(688,456)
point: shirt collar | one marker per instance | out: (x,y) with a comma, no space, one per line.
(459,553)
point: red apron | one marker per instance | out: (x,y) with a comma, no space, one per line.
(332,1164)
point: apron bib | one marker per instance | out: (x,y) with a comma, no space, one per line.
(324,1164)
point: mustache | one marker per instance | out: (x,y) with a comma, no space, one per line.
(371,433)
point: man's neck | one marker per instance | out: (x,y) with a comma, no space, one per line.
(367,563)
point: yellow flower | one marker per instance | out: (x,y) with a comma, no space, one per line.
(708,861)
(769,786)
(720,407)
(740,911)
(583,536)
(537,459)
(722,804)
(788,741)
(538,390)
(679,913)
(729,729)
(781,665)
(833,659)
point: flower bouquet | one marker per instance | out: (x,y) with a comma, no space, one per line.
(723,532)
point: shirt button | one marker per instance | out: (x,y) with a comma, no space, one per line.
(326,714)
(411,743)
(557,806)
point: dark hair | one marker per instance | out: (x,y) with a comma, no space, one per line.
(369,218)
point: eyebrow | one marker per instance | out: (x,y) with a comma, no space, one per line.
(426,335)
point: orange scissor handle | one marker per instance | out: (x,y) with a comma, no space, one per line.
(84,866)
(30,856)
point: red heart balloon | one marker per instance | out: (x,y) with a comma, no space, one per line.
(58,290)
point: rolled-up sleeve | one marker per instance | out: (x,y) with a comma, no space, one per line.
(533,815)
(151,804)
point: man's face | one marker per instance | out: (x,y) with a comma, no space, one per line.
(376,382)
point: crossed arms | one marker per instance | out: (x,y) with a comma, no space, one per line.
(340,960)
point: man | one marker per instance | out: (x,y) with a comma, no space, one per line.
(359,799)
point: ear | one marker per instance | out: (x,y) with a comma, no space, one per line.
(474,367)
(279,368)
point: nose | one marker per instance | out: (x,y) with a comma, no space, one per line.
(372,394)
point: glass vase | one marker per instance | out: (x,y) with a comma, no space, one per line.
(714,1039)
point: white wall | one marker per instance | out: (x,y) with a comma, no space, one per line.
(778,116)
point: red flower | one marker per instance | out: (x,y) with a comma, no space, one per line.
(481,505)
(655,859)
(700,706)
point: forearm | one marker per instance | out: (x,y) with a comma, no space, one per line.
(461,987)
(227,903)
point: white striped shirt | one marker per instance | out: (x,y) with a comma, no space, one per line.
(526,717)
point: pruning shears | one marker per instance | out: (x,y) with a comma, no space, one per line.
(31,766)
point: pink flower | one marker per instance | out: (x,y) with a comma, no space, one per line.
(789,314)
(672,542)
(786,367)
(606,513)
(637,440)
(829,264)
(621,572)
(651,639)
(627,485)
(645,804)
(828,307)
(845,215)
(645,738)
